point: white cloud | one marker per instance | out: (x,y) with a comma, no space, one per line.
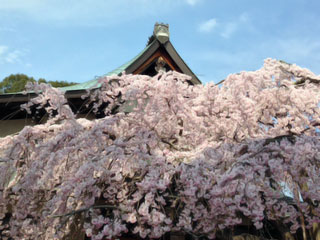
(224,29)
(208,25)
(14,56)
(7,56)
(3,50)
(229,29)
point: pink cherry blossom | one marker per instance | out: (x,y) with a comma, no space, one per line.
(176,157)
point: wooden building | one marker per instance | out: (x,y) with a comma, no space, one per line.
(159,54)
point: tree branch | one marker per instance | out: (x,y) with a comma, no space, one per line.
(84,210)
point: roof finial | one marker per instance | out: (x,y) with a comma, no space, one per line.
(161,32)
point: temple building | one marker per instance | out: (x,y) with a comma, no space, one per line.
(158,55)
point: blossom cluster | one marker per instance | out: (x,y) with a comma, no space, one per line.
(172,157)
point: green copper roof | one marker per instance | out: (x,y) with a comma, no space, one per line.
(94,83)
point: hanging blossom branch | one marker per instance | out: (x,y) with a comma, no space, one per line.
(197,159)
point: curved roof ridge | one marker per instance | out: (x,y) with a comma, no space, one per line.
(94,83)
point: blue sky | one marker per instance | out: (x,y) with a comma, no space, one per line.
(76,40)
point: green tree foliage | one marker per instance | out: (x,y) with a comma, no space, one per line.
(17,82)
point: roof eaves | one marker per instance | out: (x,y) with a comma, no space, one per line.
(128,67)
(143,56)
(179,61)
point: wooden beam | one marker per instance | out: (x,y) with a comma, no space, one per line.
(157,54)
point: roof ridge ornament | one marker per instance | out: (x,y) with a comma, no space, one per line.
(161,32)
